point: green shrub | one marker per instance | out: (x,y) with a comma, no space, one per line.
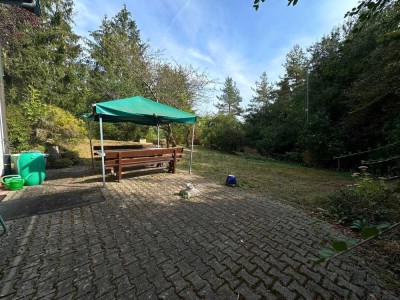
(223,132)
(72,155)
(61,163)
(369,199)
(34,123)
(67,159)
(321,140)
(19,131)
(63,128)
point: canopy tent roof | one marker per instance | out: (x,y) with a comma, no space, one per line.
(139,110)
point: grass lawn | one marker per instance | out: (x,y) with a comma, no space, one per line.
(278,180)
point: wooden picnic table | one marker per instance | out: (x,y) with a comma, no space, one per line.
(118,160)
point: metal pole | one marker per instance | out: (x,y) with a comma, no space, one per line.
(102,151)
(307,94)
(191,151)
(6,167)
(158,132)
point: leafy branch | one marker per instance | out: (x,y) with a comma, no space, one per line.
(338,248)
(365,11)
(256,3)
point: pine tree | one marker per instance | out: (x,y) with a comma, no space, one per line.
(263,95)
(295,67)
(117,58)
(45,55)
(229,101)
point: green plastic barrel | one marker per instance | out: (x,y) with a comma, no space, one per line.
(32,167)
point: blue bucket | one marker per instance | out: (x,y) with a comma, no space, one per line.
(231,180)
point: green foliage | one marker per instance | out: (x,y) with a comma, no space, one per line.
(229,100)
(116,59)
(176,85)
(45,55)
(45,124)
(62,127)
(338,247)
(320,139)
(19,132)
(273,129)
(365,10)
(335,248)
(72,155)
(67,159)
(45,67)
(33,107)
(370,200)
(352,91)
(61,163)
(121,65)
(182,133)
(263,95)
(125,131)
(223,132)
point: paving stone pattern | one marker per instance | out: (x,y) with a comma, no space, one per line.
(145,242)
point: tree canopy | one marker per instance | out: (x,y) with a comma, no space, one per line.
(70,72)
(352,88)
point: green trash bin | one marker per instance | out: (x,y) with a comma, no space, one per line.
(31,165)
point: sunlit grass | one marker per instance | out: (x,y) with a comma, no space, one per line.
(83,148)
(279,180)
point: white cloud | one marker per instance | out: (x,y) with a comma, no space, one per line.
(89,14)
(84,17)
(177,15)
(198,55)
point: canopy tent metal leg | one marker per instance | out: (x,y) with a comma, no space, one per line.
(191,151)
(102,151)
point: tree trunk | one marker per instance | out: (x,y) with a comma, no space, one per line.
(170,137)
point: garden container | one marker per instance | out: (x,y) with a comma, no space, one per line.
(231,180)
(31,165)
(13,182)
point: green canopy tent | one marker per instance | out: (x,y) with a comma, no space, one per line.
(138,110)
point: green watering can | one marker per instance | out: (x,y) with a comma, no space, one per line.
(13,182)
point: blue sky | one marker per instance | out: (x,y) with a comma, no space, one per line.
(223,37)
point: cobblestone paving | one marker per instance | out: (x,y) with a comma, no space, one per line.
(144,242)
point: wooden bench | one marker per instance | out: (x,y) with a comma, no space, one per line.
(118,161)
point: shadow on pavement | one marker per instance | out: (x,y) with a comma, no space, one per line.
(42,204)
(87,174)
